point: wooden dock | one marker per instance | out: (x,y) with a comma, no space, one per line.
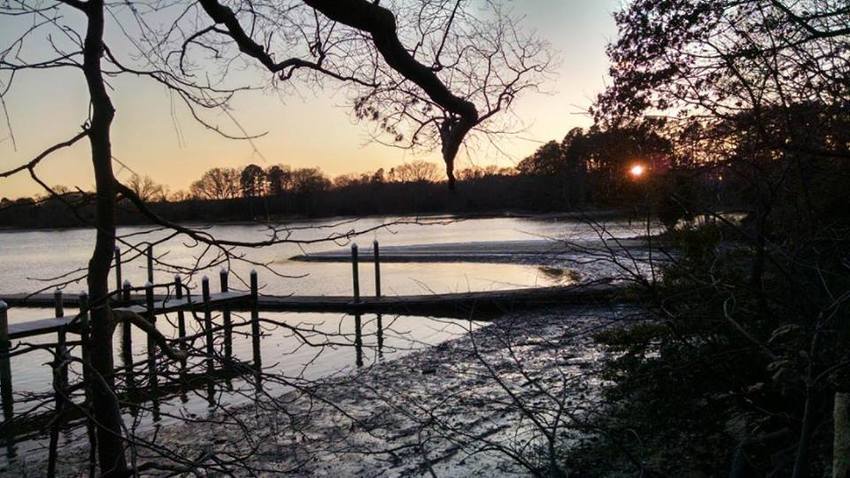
(148,304)
(461,304)
(52,325)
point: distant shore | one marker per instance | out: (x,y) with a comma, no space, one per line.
(595,214)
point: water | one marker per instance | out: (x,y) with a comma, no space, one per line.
(32,260)
(324,343)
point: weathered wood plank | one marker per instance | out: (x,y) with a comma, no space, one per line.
(38,327)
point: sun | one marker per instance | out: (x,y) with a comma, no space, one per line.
(637,171)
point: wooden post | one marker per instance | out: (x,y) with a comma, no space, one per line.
(150,263)
(228,324)
(181,319)
(355,273)
(358,340)
(6,370)
(126,289)
(205,295)
(377,252)
(84,329)
(151,317)
(61,347)
(119,282)
(127,332)
(380,335)
(255,322)
(58,304)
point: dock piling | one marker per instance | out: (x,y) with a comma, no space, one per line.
(255,322)
(377,254)
(205,296)
(181,319)
(58,304)
(84,328)
(126,288)
(118,279)
(358,339)
(228,323)
(151,317)
(126,331)
(150,263)
(355,273)
(5,366)
(61,347)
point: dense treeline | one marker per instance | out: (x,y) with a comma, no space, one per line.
(587,169)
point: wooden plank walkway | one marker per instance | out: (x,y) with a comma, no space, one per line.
(460,305)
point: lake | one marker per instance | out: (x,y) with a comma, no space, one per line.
(32,260)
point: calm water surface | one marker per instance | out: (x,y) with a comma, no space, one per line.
(31,260)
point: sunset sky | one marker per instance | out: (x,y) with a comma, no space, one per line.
(306,129)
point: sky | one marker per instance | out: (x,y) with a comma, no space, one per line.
(154,136)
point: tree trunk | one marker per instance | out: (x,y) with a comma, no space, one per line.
(841,436)
(110,446)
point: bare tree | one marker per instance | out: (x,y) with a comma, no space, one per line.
(415,171)
(146,188)
(217,183)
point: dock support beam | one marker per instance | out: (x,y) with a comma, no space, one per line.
(208,326)
(377,252)
(181,321)
(119,281)
(6,376)
(225,315)
(358,339)
(61,348)
(355,273)
(151,317)
(150,263)
(127,332)
(255,322)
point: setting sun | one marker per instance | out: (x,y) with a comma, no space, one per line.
(637,170)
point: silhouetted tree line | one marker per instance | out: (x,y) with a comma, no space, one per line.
(587,169)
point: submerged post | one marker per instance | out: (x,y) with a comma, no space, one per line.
(118,279)
(225,314)
(151,317)
(255,322)
(5,367)
(355,273)
(150,263)
(205,295)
